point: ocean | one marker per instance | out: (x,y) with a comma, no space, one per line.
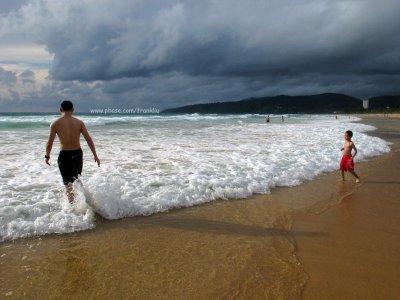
(156,163)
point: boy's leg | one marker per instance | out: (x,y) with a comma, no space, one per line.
(355,175)
(342,175)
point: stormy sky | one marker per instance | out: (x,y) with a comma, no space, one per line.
(143,53)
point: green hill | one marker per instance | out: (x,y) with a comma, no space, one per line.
(322,103)
(382,103)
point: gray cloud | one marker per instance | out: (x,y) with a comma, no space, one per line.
(178,52)
(7,77)
(8,5)
(27,77)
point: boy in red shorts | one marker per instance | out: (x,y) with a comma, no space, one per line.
(347,163)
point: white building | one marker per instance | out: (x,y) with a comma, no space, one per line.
(365,104)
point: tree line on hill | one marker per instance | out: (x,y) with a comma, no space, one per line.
(312,104)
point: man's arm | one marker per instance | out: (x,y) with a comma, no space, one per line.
(89,141)
(49,144)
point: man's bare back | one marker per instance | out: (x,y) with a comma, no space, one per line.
(68,129)
(70,159)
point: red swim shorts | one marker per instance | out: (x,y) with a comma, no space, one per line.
(347,163)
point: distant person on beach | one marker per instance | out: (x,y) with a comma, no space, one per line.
(283,119)
(267,119)
(70,160)
(347,162)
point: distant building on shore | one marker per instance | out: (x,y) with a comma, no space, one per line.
(366,104)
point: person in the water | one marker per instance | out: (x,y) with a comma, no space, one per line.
(70,160)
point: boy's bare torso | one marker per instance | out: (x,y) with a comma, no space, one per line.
(348,146)
(68,130)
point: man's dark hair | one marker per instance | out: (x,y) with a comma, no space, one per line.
(67,105)
(350,133)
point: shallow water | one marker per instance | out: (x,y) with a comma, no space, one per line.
(157,163)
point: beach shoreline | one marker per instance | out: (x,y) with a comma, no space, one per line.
(249,248)
(377,115)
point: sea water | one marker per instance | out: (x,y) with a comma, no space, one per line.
(155,163)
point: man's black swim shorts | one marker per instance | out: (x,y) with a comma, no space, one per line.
(70,163)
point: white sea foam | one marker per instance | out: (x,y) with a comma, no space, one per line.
(157,163)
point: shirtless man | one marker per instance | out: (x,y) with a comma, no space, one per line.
(70,162)
(347,162)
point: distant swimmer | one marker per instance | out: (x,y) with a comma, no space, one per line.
(267,119)
(70,161)
(347,162)
(283,119)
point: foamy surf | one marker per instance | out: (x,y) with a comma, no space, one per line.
(157,163)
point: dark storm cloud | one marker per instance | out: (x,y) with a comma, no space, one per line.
(191,51)
(101,40)
(219,40)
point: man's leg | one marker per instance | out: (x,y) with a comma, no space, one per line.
(70,192)
(342,175)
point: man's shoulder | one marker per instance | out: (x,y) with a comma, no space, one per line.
(56,121)
(78,123)
(76,119)
(63,120)
(81,123)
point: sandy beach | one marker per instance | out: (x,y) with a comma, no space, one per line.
(325,239)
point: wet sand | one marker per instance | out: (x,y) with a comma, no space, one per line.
(357,256)
(289,244)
